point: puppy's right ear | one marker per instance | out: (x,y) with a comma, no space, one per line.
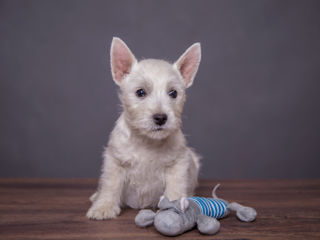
(122,60)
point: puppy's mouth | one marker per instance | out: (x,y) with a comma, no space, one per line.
(158,132)
(157,129)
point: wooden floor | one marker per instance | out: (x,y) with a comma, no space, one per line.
(55,209)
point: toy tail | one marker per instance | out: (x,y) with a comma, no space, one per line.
(214,191)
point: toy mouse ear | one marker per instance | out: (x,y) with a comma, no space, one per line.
(184,203)
(162,197)
(163,202)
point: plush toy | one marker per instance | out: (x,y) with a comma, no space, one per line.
(176,217)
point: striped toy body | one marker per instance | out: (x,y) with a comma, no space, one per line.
(215,208)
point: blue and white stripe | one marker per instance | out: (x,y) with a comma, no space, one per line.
(210,207)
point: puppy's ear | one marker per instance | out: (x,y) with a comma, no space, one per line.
(122,60)
(188,63)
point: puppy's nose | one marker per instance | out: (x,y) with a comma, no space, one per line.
(160,119)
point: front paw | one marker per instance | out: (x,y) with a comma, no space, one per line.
(174,195)
(103,211)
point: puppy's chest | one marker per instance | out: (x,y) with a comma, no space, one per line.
(145,181)
(143,158)
(145,175)
(144,168)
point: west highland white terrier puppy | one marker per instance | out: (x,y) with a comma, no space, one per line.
(147,154)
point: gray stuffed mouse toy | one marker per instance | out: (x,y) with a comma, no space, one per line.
(176,217)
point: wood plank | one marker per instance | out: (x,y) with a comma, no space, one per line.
(55,209)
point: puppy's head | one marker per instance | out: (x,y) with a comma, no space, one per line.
(153,91)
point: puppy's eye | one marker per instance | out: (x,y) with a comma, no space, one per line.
(141,93)
(173,93)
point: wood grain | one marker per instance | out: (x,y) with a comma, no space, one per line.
(55,209)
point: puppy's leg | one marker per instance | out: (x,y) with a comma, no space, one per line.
(176,178)
(107,202)
(193,172)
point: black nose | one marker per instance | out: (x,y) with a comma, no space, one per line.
(160,119)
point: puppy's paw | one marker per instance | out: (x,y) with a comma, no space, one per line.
(174,195)
(103,211)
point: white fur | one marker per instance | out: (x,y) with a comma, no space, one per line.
(142,160)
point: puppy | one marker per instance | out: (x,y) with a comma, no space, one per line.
(147,155)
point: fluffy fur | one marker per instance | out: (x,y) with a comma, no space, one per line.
(144,160)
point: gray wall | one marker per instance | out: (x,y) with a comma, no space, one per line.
(253,111)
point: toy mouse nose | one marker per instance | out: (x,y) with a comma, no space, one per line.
(160,118)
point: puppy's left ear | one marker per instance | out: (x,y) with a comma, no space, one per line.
(188,63)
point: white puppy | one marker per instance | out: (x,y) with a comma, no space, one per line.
(147,155)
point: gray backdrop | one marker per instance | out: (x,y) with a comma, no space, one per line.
(253,111)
